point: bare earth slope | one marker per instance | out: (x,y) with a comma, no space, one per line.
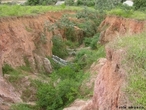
(23,38)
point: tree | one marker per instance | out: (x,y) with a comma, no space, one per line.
(139,4)
(103,5)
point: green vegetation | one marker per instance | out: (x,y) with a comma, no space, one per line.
(65,83)
(135,60)
(92,42)
(128,13)
(27,66)
(139,4)
(69,2)
(15,75)
(17,10)
(86,57)
(103,5)
(89,3)
(21,107)
(61,90)
(59,47)
(41,2)
(82,25)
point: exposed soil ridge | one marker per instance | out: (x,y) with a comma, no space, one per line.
(114,26)
(26,36)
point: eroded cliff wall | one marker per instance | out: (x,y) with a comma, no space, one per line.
(114,26)
(26,38)
(111,80)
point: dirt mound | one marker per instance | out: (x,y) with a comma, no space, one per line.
(114,26)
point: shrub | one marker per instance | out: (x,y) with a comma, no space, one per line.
(59,47)
(85,57)
(87,41)
(94,41)
(139,4)
(103,5)
(68,27)
(86,2)
(88,27)
(41,2)
(69,2)
(7,69)
(91,15)
(61,90)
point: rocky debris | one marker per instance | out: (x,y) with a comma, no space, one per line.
(113,27)
(79,105)
(42,64)
(72,52)
(8,95)
(39,62)
(47,65)
(59,60)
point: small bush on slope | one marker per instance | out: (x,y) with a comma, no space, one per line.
(92,42)
(135,60)
(59,47)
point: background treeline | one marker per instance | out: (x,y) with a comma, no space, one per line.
(71,2)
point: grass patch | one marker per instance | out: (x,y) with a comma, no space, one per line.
(17,10)
(135,61)
(21,107)
(129,13)
(14,75)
